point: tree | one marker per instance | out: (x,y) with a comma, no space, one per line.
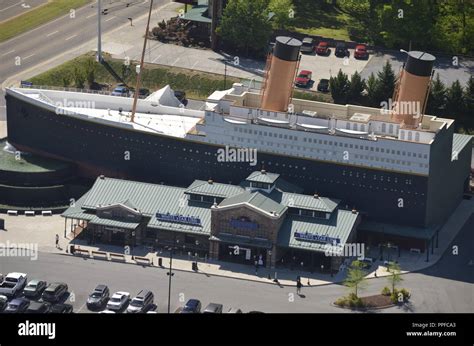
(355,277)
(454,100)
(339,87)
(283,13)
(356,87)
(79,78)
(395,277)
(245,25)
(469,100)
(386,82)
(90,68)
(437,98)
(373,91)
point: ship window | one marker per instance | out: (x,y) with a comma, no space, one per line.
(377,150)
(354,126)
(330,142)
(340,144)
(402,135)
(350,146)
(265,133)
(384,127)
(362,127)
(366,148)
(382,150)
(304,139)
(393,152)
(404,153)
(419,155)
(409,136)
(425,156)
(345,145)
(348,126)
(325,142)
(417,136)
(390,128)
(398,152)
(280,136)
(320,141)
(356,146)
(371,148)
(285,137)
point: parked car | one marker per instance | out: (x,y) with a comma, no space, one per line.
(12,284)
(106,312)
(99,297)
(322,48)
(142,302)
(361,52)
(303,80)
(341,50)
(3,303)
(54,292)
(234,311)
(62,309)
(38,308)
(192,306)
(34,288)
(308,46)
(323,85)
(181,96)
(121,91)
(17,305)
(1,277)
(143,93)
(118,301)
(213,308)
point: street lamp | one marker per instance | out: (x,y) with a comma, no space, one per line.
(170,273)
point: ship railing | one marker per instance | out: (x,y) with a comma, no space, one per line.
(47,87)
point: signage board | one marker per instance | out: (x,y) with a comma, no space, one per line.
(243,223)
(189,220)
(317,238)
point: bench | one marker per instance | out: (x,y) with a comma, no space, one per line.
(142,260)
(117,257)
(29,213)
(81,252)
(416,250)
(47,213)
(100,254)
(12,212)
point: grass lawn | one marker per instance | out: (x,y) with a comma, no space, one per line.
(326,21)
(38,16)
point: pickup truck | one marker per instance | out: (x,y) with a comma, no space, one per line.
(12,284)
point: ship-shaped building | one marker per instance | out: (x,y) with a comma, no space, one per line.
(395,165)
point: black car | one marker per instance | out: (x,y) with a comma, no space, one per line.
(181,96)
(341,50)
(99,297)
(38,308)
(3,303)
(34,288)
(193,306)
(213,308)
(18,305)
(62,309)
(307,46)
(54,292)
(323,85)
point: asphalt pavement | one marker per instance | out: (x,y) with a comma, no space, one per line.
(13,8)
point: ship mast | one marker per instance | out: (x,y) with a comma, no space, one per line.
(139,74)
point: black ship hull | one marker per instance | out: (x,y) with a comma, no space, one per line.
(123,153)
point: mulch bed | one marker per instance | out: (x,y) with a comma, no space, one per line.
(377,301)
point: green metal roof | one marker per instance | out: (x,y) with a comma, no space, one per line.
(263,177)
(242,241)
(294,200)
(76,211)
(459,142)
(339,225)
(113,223)
(256,200)
(399,230)
(200,187)
(198,13)
(143,196)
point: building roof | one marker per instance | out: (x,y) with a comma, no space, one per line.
(459,142)
(256,200)
(113,223)
(201,187)
(294,200)
(399,230)
(198,13)
(339,225)
(76,212)
(263,177)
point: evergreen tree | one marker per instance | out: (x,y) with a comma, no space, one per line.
(356,87)
(386,83)
(455,101)
(373,91)
(339,87)
(437,99)
(469,101)
(283,13)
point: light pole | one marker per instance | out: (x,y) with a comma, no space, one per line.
(170,273)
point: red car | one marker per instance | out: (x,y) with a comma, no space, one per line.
(322,48)
(303,79)
(361,52)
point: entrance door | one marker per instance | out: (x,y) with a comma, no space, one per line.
(241,254)
(117,238)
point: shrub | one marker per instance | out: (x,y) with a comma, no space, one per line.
(406,294)
(341,301)
(386,291)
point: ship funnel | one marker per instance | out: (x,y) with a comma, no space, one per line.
(411,93)
(280,73)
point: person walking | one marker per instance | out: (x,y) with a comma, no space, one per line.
(256,267)
(57,241)
(298,287)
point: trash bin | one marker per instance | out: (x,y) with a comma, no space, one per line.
(2,224)
(72,249)
(160,262)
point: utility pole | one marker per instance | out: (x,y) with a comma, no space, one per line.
(170,274)
(99,33)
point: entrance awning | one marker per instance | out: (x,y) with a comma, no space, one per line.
(242,241)
(113,223)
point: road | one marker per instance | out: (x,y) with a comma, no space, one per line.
(13,8)
(56,37)
(448,286)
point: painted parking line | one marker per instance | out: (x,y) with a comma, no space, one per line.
(175,62)
(156,59)
(12,51)
(194,65)
(91,15)
(52,33)
(70,37)
(7,8)
(110,19)
(29,56)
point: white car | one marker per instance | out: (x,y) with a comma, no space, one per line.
(107,312)
(12,284)
(118,301)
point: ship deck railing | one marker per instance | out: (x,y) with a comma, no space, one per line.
(87,91)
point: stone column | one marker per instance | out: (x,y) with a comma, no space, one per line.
(213,250)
